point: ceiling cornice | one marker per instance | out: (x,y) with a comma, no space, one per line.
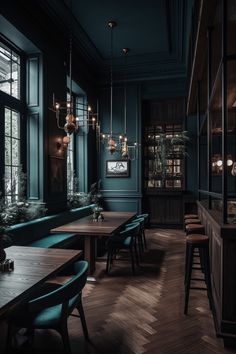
(140,67)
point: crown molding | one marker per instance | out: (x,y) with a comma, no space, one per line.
(139,67)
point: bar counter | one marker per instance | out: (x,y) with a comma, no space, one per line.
(223,271)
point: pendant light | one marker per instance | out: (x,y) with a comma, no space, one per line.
(124,149)
(128,150)
(111,142)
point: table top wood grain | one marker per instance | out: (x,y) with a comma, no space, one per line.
(32,266)
(86,226)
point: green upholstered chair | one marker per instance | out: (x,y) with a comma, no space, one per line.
(144,220)
(125,240)
(145,216)
(52,309)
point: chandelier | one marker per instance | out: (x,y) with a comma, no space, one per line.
(118,143)
(66,110)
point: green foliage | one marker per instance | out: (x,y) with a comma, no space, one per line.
(94,194)
(18,209)
(78,199)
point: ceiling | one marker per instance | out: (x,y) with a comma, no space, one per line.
(156,31)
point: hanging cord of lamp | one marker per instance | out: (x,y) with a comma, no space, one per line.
(124,150)
(111,141)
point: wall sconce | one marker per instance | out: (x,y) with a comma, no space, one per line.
(217,163)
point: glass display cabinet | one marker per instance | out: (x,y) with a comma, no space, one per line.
(217,119)
(164,160)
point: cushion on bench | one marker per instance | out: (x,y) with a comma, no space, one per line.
(37,232)
(53,240)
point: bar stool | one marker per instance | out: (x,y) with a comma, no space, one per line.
(192,221)
(190,216)
(200,242)
(195,229)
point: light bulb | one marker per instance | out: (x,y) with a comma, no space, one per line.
(219,163)
(229,162)
(89,108)
(66,140)
(57,105)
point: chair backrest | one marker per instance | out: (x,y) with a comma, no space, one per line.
(140,220)
(145,216)
(131,230)
(65,292)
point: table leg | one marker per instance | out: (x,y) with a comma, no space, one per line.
(89,252)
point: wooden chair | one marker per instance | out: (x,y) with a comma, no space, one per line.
(51,310)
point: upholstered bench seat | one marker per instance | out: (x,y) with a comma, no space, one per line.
(54,240)
(36,233)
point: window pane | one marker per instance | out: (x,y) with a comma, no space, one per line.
(7,151)
(15,152)
(16,83)
(9,71)
(7,122)
(12,154)
(7,180)
(15,124)
(70,165)
(15,181)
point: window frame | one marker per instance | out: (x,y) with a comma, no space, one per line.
(18,105)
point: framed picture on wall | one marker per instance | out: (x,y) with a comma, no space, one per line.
(117,168)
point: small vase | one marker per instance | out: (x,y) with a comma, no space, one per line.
(2,255)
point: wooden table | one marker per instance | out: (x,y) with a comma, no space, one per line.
(90,230)
(33,265)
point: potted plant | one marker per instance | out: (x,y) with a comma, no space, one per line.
(5,240)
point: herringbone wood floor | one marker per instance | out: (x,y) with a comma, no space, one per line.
(144,313)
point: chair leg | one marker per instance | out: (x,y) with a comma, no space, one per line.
(65,338)
(108,261)
(136,254)
(144,239)
(141,240)
(188,278)
(9,338)
(132,260)
(140,247)
(82,318)
(208,276)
